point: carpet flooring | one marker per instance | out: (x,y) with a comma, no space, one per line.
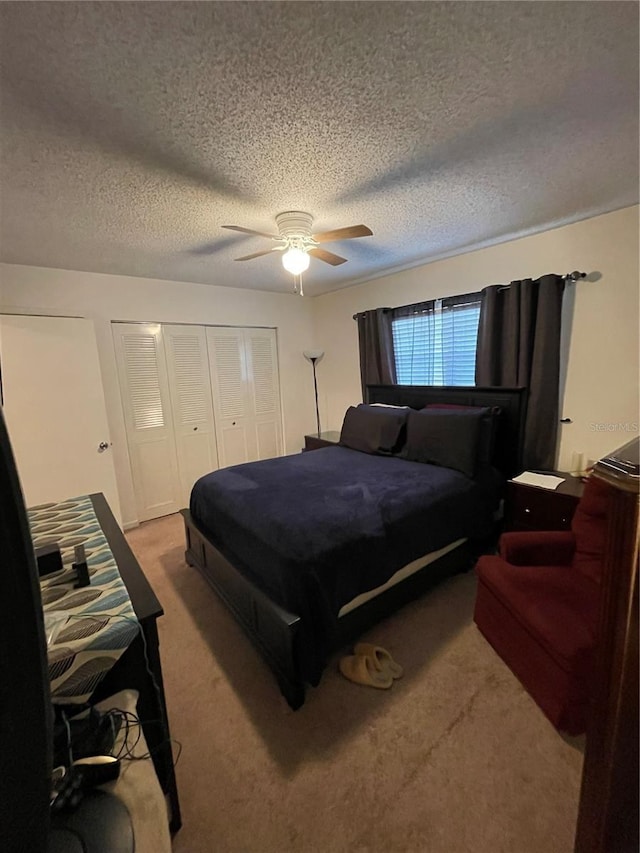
(455,757)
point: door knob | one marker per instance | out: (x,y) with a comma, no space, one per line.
(104,445)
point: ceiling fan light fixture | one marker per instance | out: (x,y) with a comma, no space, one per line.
(298,244)
(295,261)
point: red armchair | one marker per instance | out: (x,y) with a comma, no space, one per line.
(538,605)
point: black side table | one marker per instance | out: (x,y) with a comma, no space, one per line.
(534,508)
(323,439)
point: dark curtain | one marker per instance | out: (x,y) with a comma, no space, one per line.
(519,344)
(375,338)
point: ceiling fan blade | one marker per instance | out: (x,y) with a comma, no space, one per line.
(343,234)
(258,254)
(251,231)
(327,257)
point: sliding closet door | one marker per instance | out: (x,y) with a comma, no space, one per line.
(146,402)
(246,394)
(190,390)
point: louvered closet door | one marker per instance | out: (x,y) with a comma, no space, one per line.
(190,390)
(231,400)
(246,394)
(264,389)
(147,409)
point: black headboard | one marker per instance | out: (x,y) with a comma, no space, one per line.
(511,401)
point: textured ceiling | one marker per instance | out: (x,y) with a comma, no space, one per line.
(132,131)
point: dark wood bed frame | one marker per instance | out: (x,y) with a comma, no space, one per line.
(277,634)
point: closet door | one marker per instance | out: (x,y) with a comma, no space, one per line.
(231,399)
(147,410)
(190,390)
(246,394)
(264,389)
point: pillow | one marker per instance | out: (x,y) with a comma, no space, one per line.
(444,438)
(488,428)
(374,429)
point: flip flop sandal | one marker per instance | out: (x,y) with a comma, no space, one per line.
(381,658)
(361,669)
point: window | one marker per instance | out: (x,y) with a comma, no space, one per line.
(434,342)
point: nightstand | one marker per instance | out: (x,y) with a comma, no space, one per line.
(532,508)
(324,439)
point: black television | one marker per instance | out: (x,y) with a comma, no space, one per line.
(26,723)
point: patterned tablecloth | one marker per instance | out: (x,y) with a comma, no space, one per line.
(88,629)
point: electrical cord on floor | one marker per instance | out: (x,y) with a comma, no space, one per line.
(67,727)
(132,732)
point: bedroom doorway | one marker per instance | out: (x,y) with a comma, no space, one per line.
(195,398)
(55,410)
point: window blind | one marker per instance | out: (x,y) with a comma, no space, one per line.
(435,342)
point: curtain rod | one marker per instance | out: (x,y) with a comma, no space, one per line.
(362,313)
(574,276)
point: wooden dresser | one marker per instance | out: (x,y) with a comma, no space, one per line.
(140,666)
(608,814)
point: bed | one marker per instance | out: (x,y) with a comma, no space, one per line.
(310,550)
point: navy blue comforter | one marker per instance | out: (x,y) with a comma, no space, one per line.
(316,529)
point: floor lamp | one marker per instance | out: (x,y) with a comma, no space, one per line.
(314,356)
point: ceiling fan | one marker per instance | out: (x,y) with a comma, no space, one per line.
(298,243)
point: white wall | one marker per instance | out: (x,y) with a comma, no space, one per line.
(600,322)
(104,298)
(600,326)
